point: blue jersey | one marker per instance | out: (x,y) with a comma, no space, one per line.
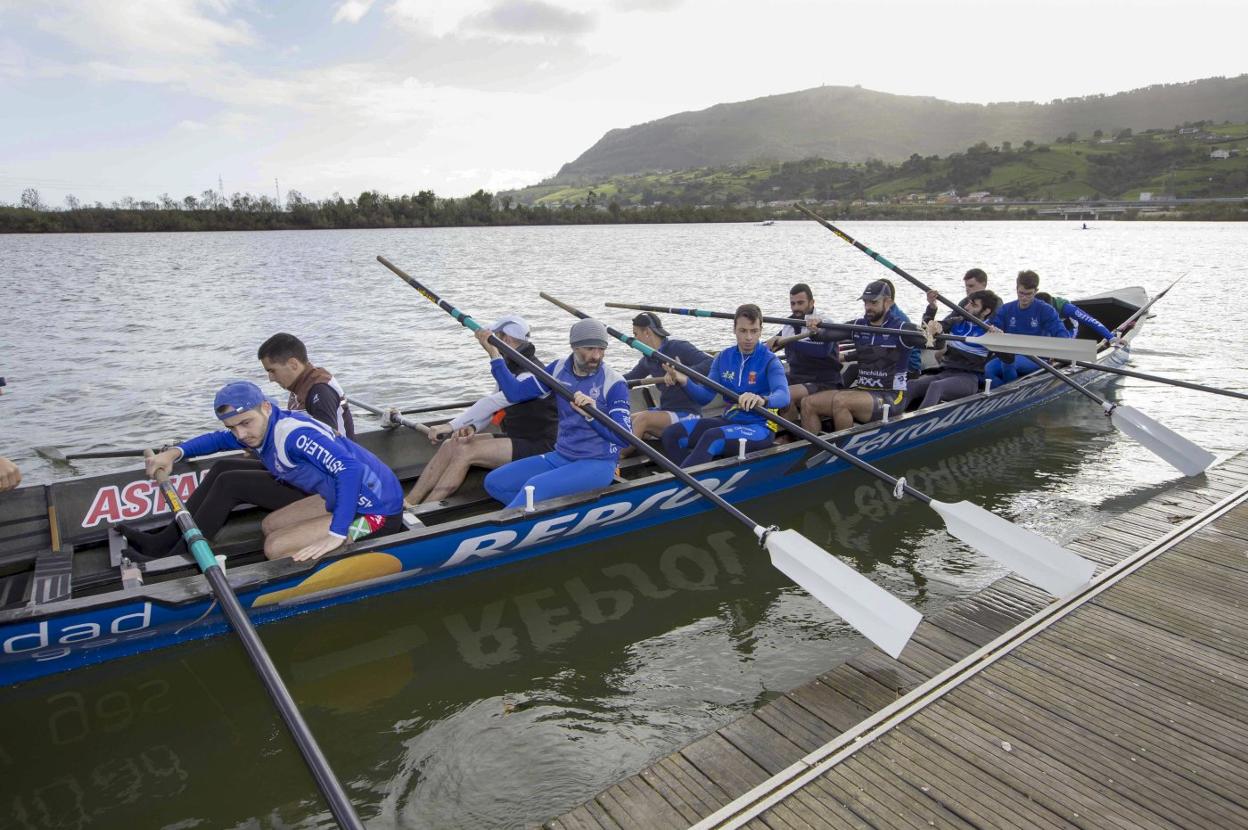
(760,372)
(1076,317)
(1039,319)
(579,437)
(673,398)
(304,453)
(969,357)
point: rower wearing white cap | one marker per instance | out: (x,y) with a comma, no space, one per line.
(528,428)
(586,452)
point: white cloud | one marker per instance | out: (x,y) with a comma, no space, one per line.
(352,11)
(165,28)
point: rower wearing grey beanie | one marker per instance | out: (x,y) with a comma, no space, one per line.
(586,453)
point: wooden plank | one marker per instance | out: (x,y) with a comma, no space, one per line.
(829,705)
(1025,769)
(821,804)
(847,681)
(599,814)
(924,660)
(1209,622)
(962,783)
(1217,548)
(691,808)
(724,764)
(1133,777)
(908,806)
(698,791)
(855,798)
(798,724)
(886,671)
(964,629)
(644,807)
(761,744)
(942,642)
(577,819)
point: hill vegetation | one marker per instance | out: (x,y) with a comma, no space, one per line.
(851,124)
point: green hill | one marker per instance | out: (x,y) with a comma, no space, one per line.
(852,124)
(1176,162)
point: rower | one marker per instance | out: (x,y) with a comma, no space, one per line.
(883,363)
(1073,317)
(312,389)
(10,476)
(961,364)
(359,495)
(814,366)
(528,428)
(1022,316)
(755,374)
(674,403)
(586,452)
(975,279)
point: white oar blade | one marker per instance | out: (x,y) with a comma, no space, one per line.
(878,615)
(1031,556)
(1190,459)
(1060,348)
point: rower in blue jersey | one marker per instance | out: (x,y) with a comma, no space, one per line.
(752,371)
(883,364)
(1022,316)
(961,364)
(674,403)
(813,366)
(359,495)
(1074,317)
(586,452)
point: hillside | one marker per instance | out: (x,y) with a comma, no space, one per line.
(852,124)
(1176,162)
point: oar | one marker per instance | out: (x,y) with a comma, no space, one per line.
(339,804)
(1187,457)
(1114,370)
(635,382)
(1050,566)
(1061,348)
(881,617)
(390,416)
(54,454)
(1142,310)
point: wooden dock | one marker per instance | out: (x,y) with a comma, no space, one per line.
(1125,705)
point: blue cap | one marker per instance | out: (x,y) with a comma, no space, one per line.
(236,397)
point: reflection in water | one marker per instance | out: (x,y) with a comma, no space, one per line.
(501,701)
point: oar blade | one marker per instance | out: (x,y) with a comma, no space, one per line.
(1058,348)
(52,454)
(1031,556)
(878,615)
(1185,456)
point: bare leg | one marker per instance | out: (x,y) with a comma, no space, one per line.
(797,392)
(292,538)
(306,508)
(488,452)
(849,406)
(648,424)
(815,408)
(432,472)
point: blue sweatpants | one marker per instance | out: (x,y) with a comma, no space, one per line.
(697,442)
(552,475)
(1001,372)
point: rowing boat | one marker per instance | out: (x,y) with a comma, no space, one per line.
(67,601)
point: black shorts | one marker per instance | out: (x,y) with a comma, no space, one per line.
(814,387)
(526,447)
(881,398)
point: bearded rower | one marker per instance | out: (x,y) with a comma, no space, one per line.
(961,363)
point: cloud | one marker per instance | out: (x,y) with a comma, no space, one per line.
(352,11)
(527,19)
(646,5)
(188,28)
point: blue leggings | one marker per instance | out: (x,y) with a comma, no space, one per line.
(552,475)
(1000,372)
(712,437)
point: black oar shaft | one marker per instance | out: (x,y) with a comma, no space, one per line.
(1041,362)
(796,429)
(558,388)
(1114,370)
(341,807)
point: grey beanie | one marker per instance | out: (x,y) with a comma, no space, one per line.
(588,333)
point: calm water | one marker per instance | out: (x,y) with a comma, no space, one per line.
(505,699)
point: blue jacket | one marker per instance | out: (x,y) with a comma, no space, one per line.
(1076,317)
(673,398)
(915,362)
(304,453)
(761,373)
(968,357)
(811,361)
(1039,319)
(579,437)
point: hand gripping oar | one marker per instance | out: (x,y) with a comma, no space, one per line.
(390,416)
(1114,370)
(1050,566)
(335,796)
(1189,458)
(881,617)
(1061,348)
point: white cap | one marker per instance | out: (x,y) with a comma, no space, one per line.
(513,325)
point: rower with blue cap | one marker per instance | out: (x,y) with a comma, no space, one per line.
(360,495)
(527,428)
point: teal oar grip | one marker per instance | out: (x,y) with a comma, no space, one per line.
(198,546)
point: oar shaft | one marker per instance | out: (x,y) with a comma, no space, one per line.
(702,379)
(558,388)
(343,811)
(390,415)
(1114,370)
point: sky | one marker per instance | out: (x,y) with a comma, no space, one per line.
(103,99)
